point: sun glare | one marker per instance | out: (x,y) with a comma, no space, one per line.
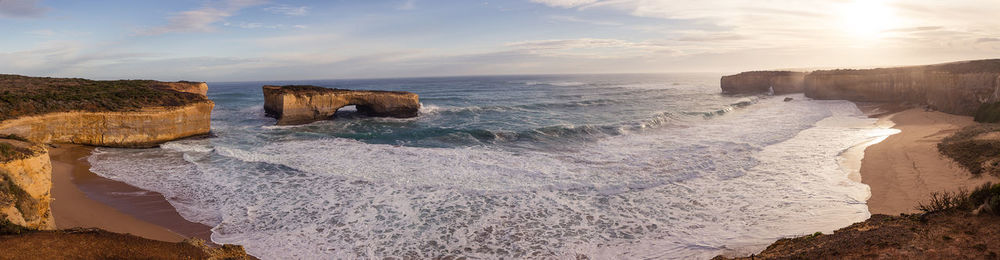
(867,18)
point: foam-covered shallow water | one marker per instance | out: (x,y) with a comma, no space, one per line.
(609,166)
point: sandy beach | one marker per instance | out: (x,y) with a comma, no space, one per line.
(84,199)
(905,168)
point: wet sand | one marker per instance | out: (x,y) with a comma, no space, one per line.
(84,199)
(905,168)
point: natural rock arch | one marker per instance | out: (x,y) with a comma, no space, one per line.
(305,104)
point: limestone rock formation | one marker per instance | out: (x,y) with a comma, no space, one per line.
(304,104)
(200,88)
(782,82)
(24,187)
(144,128)
(958,88)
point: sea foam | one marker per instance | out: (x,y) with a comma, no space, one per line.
(733,182)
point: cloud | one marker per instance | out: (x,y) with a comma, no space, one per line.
(567,18)
(256,25)
(288,10)
(407,5)
(202,19)
(564,3)
(986,40)
(21,9)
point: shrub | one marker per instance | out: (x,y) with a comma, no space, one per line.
(14,137)
(9,152)
(988,113)
(986,196)
(977,155)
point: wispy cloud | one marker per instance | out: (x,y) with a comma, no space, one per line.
(567,18)
(407,5)
(288,10)
(256,25)
(565,3)
(986,40)
(202,19)
(21,9)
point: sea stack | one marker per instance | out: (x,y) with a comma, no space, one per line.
(293,105)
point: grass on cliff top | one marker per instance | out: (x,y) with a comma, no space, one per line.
(9,152)
(977,155)
(26,96)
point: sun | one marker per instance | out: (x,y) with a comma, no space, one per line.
(867,18)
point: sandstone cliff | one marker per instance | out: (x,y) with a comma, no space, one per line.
(782,82)
(958,88)
(200,88)
(146,127)
(25,181)
(304,104)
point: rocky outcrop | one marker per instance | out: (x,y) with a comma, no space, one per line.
(781,82)
(304,104)
(956,88)
(144,128)
(24,187)
(200,88)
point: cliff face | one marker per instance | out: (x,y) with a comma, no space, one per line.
(783,82)
(144,128)
(24,188)
(959,93)
(200,88)
(956,88)
(304,104)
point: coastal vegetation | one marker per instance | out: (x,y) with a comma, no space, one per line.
(26,96)
(976,148)
(10,152)
(951,226)
(988,113)
(984,199)
(82,243)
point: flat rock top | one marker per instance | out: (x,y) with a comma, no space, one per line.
(28,96)
(309,89)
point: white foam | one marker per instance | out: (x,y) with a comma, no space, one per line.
(679,192)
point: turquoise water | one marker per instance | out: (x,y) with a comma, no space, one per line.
(608,166)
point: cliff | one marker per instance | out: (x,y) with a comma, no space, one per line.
(25,180)
(119,113)
(146,127)
(782,82)
(304,104)
(200,88)
(958,88)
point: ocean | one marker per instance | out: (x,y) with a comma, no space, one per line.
(606,166)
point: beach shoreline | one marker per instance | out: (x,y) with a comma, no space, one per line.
(905,168)
(83,199)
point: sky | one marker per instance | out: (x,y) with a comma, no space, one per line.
(247,40)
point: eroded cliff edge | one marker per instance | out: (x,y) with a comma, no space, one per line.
(958,88)
(304,104)
(25,181)
(120,113)
(781,82)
